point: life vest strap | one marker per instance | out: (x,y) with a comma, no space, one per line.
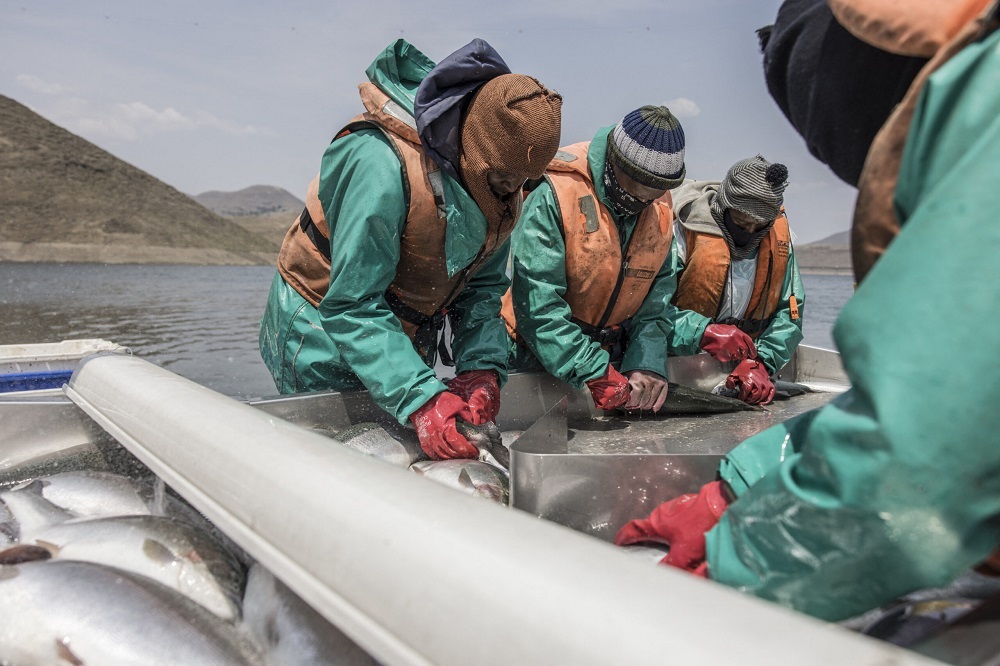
(749,326)
(612,338)
(310,229)
(429,327)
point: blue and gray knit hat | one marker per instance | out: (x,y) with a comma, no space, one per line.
(648,145)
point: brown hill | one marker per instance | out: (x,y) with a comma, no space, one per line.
(828,255)
(64,199)
(254,201)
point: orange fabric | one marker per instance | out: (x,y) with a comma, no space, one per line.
(422,280)
(917,28)
(875,224)
(703,281)
(594,257)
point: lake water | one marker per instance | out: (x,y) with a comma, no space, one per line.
(201,321)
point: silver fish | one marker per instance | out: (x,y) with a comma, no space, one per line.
(395,445)
(166,550)
(83,613)
(93,494)
(290,632)
(472,477)
(8,527)
(488,439)
(32,511)
(400,446)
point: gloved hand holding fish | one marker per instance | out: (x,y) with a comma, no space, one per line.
(435,425)
(611,390)
(752,379)
(481,390)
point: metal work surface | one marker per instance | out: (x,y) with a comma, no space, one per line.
(593,472)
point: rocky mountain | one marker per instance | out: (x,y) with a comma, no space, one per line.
(63,199)
(251,201)
(839,238)
(829,255)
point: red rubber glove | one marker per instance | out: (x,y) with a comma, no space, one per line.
(753,381)
(681,524)
(610,391)
(727,343)
(481,390)
(435,424)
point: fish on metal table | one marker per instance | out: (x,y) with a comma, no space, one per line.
(687,400)
(472,477)
(83,613)
(290,632)
(171,552)
(400,446)
(91,494)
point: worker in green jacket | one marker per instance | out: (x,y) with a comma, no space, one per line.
(739,294)
(894,486)
(591,280)
(407,225)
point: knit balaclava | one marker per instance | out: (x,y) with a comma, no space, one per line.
(648,145)
(512,124)
(753,186)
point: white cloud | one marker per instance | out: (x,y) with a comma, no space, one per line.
(35,84)
(134,120)
(682,107)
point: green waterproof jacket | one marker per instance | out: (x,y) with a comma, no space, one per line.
(539,282)
(895,485)
(775,346)
(353,340)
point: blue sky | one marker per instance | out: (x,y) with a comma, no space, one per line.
(221,95)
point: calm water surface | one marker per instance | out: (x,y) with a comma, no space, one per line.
(201,321)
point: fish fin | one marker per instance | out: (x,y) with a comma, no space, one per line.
(23,553)
(157,552)
(65,654)
(48,545)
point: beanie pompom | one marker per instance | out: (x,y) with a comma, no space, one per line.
(776,174)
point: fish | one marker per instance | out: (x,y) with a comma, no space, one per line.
(32,511)
(488,439)
(687,400)
(8,526)
(472,477)
(173,553)
(645,553)
(397,446)
(400,446)
(289,631)
(92,494)
(64,612)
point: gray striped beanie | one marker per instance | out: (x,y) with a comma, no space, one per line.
(648,145)
(755,187)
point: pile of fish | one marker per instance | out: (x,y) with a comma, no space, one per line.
(100,568)
(488,477)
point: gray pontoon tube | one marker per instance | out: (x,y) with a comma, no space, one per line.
(419,574)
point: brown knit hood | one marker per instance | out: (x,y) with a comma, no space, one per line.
(512,124)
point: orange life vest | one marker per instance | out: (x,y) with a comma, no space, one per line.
(422,288)
(703,281)
(603,287)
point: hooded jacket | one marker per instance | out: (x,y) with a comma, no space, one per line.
(705,264)
(539,298)
(352,338)
(896,482)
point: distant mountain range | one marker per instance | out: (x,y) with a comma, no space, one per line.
(251,201)
(829,255)
(63,199)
